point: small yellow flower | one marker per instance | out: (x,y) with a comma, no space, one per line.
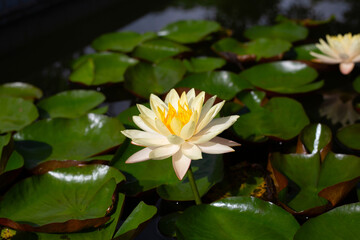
(181,127)
(343,50)
(7,233)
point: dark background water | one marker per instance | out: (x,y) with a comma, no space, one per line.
(40,38)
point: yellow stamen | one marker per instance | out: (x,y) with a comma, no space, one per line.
(183,114)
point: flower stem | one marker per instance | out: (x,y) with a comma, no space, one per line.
(194,187)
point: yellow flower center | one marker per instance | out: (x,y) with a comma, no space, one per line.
(173,117)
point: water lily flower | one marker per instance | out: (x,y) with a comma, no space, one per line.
(344,50)
(181,127)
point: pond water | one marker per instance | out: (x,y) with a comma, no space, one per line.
(39,48)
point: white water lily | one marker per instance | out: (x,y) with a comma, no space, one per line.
(343,50)
(181,127)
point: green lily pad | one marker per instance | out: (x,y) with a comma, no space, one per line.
(16,113)
(78,193)
(283,77)
(251,99)
(350,136)
(223,84)
(234,218)
(281,118)
(356,84)
(15,161)
(120,41)
(100,110)
(253,50)
(139,216)
(125,117)
(157,49)
(315,137)
(337,224)
(158,78)
(335,169)
(166,224)
(105,232)
(203,64)
(68,139)
(288,31)
(71,104)
(20,90)
(303,52)
(305,22)
(189,31)
(207,172)
(4,140)
(138,177)
(100,68)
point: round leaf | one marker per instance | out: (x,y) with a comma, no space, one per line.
(120,41)
(21,90)
(303,52)
(71,104)
(16,113)
(100,68)
(282,118)
(254,50)
(207,172)
(223,84)
(283,77)
(350,136)
(203,64)
(337,224)
(315,137)
(157,49)
(234,218)
(189,31)
(58,196)
(68,139)
(288,31)
(158,78)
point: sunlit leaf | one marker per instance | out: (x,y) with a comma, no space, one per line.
(71,104)
(234,218)
(20,90)
(189,31)
(303,52)
(315,137)
(120,41)
(16,113)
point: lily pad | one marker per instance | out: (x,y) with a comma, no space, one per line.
(203,64)
(71,104)
(157,49)
(281,118)
(68,139)
(76,193)
(313,190)
(350,136)
(287,77)
(101,68)
(224,84)
(303,52)
(135,221)
(288,31)
(138,177)
(315,137)
(16,113)
(339,223)
(105,232)
(207,172)
(189,31)
(4,140)
(231,218)
(356,84)
(120,41)
(20,90)
(158,78)
(253,50)
(15,161)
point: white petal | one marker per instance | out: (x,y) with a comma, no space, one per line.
(346,68)
(214,148)
(190,96)
(176,126)
(215,127)
(146,111)
(181,164)
(183,99)
(139,156)
(173,139)
(207,106)
(188,130)
(325,59)
(225,141)
(155,104)
(209,116)
(164,151)
(151,142)
(162,129)
(196,104)
(191,151)
(132,133)
(356,59)
(172,97)
(143,125)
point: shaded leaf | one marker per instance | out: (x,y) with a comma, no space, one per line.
(203,64)
(350,136)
